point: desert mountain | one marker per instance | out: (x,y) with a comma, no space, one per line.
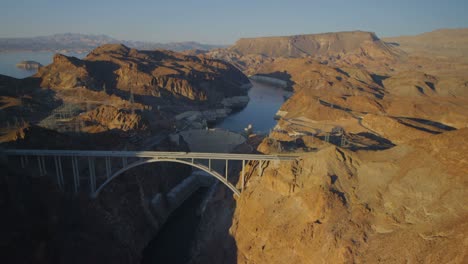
(316,45)
(119,69)
(399,107)
(117,88)
(334,206)
(351,48)
(451,43)
(389,191)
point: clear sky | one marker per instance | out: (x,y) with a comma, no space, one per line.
(223,22)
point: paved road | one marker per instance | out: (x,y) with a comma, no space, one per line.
(146,154)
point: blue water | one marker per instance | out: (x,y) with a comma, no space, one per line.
(265,101)
(8,62)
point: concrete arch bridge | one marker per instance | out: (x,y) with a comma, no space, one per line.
(82,164)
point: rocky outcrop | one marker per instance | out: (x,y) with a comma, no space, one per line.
(338,206)
(108,118)
(357,207)
(414,83)
(404,105)
(119,69)
(386,194)
(119,88)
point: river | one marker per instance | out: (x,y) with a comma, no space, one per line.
(265,100)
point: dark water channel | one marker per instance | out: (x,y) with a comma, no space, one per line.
(173,243)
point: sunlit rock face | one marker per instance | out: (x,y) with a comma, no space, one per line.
(146,73)
(339,206)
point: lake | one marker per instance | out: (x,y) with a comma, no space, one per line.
(9,60)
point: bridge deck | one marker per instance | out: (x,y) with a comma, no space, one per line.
(146,154)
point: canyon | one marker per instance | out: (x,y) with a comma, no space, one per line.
(371,185)
(380,127)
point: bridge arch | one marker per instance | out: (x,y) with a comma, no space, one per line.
(153,160)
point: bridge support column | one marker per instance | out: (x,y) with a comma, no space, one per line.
(243,175)
(39,163)
(92,174)
(43,165)
(58,171)
(124,161)
(260,164)
(108,167)
(76,174)
(226,175)
(22,162)
(343,141)
(209,164)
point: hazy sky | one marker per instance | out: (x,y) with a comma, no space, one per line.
(223,22)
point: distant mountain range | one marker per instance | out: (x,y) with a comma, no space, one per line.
(84,43)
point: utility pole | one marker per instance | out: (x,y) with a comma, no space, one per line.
(343,140)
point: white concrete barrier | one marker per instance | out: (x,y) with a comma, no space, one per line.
(209,140)
(269,80)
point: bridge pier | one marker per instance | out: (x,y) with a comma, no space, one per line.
(243,172)
(59,172)
(226,173)
(260,164)
(43,165)
(22,162)
(76,174)
(92,174)
(39,164)
(108,167)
